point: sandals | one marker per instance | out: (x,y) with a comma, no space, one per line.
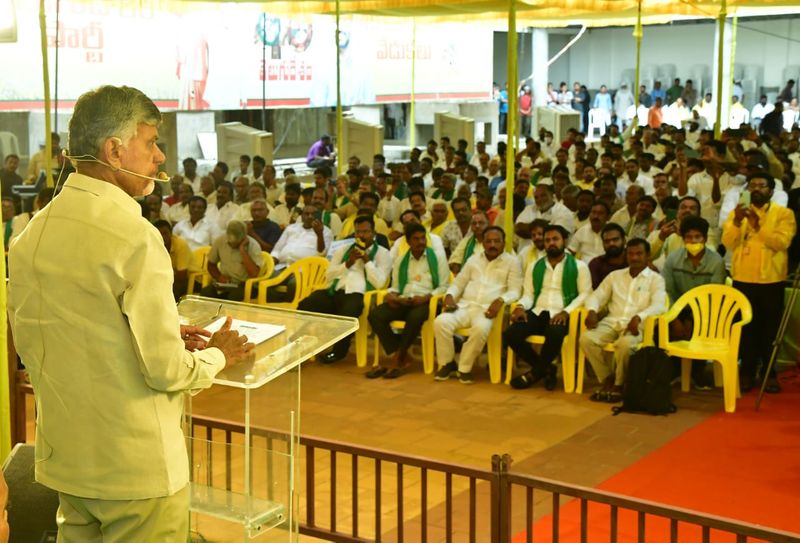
(606,396)
(393,373)
(526,380)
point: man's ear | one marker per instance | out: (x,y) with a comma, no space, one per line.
(111,151)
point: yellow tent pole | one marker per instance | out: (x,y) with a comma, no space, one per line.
(723,13)
(511,123)
(733,51)
(339,122)
(412,110)
(637,33)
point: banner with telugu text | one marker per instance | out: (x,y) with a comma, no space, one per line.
(216,56)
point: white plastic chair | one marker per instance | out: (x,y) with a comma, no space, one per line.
(597,121)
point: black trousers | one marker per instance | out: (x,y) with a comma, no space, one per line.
(234,294)
(382,315)
(344,305)
(537,325)
(758,336)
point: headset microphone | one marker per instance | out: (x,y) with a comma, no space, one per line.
(160,176)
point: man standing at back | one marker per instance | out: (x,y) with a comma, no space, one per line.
(100,335)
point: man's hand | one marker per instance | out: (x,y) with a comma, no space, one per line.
(418,300)
(449,304)
(519,314)
(233,346)
(317,227)
(353,257)
(194,337)
(243,244)
(591,319)
(393,300)
(633,326)
(560,318)
(250,229)
(667,228)
(739,214)
(494,309)
(365,256)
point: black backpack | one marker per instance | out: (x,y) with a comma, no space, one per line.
(648,383)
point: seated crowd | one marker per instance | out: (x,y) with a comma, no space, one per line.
(612,232)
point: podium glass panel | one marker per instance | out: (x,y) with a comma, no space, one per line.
(242,437)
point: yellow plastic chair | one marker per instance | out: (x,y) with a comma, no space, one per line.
(568,352)
(426,334)
(205,277)
(715,335)
(200,266)
(266,270)
(309,274)
(648,339)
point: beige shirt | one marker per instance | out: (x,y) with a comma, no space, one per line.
(103,347)
(229,260)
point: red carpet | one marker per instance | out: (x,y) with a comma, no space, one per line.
(744,466)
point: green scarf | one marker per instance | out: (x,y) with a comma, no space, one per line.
(468,250)
(326,218)
(433,265)
(569,279)
(372,252)
(7,233)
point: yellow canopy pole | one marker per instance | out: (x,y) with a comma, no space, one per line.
(412,109)
(733,51)
(723,13)
(339,122)
(637,33)
(511,123)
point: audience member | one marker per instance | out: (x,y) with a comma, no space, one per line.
(233,259)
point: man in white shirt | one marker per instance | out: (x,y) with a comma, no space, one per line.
(471,244)
(454,231)
(634,177)
(623,216)
(309,237)
(355,269)
(631,295)
(545,207)
(759,111)
(198,231)
(288,212)
(225,210)
(108,360)
(552,288)
(180,209)
(488,282)
(587,243)
(418,274)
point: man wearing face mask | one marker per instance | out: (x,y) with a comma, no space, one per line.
(552,288)
(759,235)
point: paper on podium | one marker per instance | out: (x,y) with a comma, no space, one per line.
(256,332)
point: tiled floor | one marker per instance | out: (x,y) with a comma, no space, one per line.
(548,434)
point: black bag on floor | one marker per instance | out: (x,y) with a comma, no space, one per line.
(648,383)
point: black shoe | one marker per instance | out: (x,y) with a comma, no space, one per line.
(332,357)
(447,371)
(746,383)
(375,373)
(550,381)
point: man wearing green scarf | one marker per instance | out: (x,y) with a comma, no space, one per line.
(471,244)
(355,269)
(418,274)
(553,286)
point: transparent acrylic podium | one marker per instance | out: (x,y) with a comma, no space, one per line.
(243,436)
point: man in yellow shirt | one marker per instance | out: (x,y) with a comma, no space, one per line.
(179,254)
(100,335)
(759,235)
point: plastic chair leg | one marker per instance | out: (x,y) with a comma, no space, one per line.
(686,374)
(581,371)
(427,348)
(730,385)
(568,367)
(509,365)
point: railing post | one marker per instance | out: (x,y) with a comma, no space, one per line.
(501,499)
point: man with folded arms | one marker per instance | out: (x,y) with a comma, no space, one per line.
(552,288)
(488,281)
(418,274)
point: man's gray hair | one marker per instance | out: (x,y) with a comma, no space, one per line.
(107,112)
(236,229)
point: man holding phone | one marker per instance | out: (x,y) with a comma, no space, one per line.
(759,236)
